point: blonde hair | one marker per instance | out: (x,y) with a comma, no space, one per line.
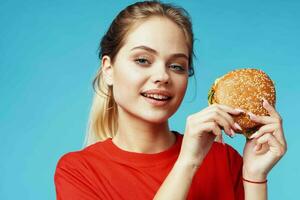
(103,117)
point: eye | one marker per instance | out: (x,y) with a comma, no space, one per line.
(142,61)
(177,67)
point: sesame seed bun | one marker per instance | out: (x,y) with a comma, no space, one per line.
(244,89)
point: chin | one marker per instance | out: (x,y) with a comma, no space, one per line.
(155,117)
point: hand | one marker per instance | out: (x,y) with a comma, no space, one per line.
(202,129)
(265,147)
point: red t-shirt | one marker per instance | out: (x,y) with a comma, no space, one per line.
(104,171)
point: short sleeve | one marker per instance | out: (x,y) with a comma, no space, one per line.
(71,179)
(236,168)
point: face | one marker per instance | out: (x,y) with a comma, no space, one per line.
(154,56)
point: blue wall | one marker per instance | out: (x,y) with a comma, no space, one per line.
(48,57)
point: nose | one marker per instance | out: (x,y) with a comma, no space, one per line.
(161,75)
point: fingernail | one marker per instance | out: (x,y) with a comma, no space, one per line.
(251,115)
(265,101)
(222,141)
(232,133)
(237,126)
(239,110)
(257,146)
(253,135)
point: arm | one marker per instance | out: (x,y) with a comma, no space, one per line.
(201,130)
(176,185)
(255,191)
(262,151)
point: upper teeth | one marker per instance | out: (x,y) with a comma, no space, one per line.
(156,96)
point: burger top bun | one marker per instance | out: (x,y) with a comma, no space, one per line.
(244,89)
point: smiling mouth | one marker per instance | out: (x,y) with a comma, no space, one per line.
(156,97)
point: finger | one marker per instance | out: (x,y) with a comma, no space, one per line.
(262,119)
(210,127)
(278,134)
(261,148)
(274,144)
(220,139)
(257,148)
(273,129)
(271,110)
(212,115)
(222,121)
(228,109)
(230,121)
(269,128)
(221,112)
(278,120)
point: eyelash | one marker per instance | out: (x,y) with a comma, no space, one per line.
(182,69)
(142,60)
(138,61)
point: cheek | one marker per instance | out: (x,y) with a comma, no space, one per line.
(127,84)
(182,87)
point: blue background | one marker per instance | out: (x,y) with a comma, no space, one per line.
(48,58)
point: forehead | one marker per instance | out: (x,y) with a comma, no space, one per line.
(159,33)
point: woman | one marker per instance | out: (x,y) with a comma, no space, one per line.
(146,60)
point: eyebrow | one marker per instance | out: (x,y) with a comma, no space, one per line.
(175,55)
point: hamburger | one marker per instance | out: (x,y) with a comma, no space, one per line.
(244,89)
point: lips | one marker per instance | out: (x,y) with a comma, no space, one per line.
(157,94)
(157,97)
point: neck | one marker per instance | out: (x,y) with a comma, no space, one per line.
(141,136)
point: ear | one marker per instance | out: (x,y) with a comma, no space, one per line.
(107,70)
